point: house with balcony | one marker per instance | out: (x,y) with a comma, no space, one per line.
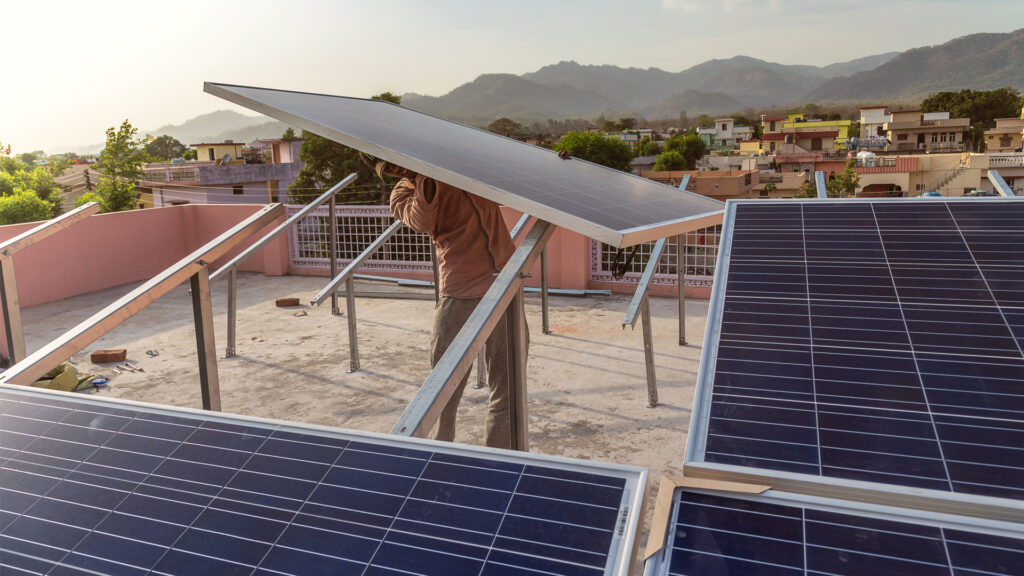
(1010,166)
(914,174)
(926,132)
(254,174)
(724,134)
(214,151)
(1007,136)
(810,135)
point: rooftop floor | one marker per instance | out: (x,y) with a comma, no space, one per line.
(586,381)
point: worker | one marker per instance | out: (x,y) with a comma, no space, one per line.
(473,244)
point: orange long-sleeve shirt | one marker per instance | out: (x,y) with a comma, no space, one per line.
(468,231)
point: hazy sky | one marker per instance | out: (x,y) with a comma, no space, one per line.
(76,68)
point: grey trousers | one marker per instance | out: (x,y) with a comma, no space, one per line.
(449,316)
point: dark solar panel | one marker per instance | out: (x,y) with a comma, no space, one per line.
(91,486)
(715,534)
(874,341)
(595,201)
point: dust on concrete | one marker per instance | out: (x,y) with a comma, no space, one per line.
(586,380)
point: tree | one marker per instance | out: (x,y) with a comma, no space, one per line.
(844,184)
(597,148)
(24,206)
(689,146)
(770,187)
(121,166)
(627,123)
(326,164)
(86,198)
(807,190)
(670,160)
(981,106)
(289,134)
(29,158)
(648,147)
(504,126)
(190,154)
(165,148)
(388,97)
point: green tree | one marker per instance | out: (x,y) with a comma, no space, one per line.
(981,106)
(289,134)
(326,164)
(648,147)
(121,166)
(7,184)
(86,198)
(29,158)
(597,148)
(388,97)
(807,190)
(689,146)
(165,148)
(190,154)
(770,187)
(627,123)
(504,126)
(24,206)
(670,160)
(609,126)
(844,184)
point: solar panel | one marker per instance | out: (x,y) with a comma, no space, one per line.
(609,205)
(715,533)
(92,486)
(868,342)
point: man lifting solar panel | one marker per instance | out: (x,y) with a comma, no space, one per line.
(607,205)
(869,349)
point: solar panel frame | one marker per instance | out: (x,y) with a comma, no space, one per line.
(630,511)
(703,211)
(695,463)
(660,563)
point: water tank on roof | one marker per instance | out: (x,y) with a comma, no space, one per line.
(866,159)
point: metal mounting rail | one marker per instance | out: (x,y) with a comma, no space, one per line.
(1000,185)
(194,267)
(505,297)
(8,284)
(819,184)
(347,276)
(641,304)
(684,182)
(231,268)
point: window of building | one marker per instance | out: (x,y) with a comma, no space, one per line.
(771,147)
(901,137)
(935,138)
(771,127)
(942,137)
(724,127)
(211,154)
(816,144)
(764,193)
(1005,142)
(237,189)
(746,179)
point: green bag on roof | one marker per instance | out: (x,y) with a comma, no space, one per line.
(66,378)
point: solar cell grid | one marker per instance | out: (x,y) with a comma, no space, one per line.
(90,488)
(847,360)
(715,533)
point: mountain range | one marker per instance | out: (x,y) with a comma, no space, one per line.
(572,90)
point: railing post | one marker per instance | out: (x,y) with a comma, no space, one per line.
(515,321)
(681,281)
(545,326)
(353,336)
(435,272)
(229,350)
(11,310)
(334,255)
(652,381)
(202,312)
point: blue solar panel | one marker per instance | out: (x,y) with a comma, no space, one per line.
(717,534)
(876,341)
(91,486)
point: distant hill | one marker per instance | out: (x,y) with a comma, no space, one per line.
(978,61)
(570,89)
(208,126)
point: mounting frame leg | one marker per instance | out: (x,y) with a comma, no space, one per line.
(353,334)
(11,311)
(334,255)
(544,325)
(681,281)
(202,312)
(515,321)
(229,350)
(652,380)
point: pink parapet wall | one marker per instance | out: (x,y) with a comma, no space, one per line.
(107,250)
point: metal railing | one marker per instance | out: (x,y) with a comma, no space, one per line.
(231,268)
(1000,185)
(171,174)
(8,284)
(1006,160)
(195,268)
